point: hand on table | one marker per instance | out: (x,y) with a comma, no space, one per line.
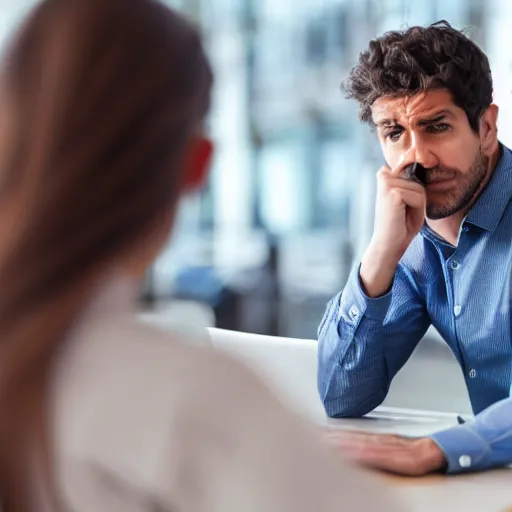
(392,453)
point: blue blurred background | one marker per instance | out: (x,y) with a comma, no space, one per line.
(289,204)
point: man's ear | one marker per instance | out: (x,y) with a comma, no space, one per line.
(489,130)
(197,163)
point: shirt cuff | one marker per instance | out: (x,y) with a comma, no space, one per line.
(463,448)
(356,303)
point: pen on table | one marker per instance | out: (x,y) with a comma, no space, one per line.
(460,420)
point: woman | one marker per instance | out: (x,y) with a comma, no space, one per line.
(101,112)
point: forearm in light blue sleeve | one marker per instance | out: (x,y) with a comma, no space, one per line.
(484,443)
(364,341)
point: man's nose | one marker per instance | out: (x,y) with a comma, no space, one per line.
(422,152)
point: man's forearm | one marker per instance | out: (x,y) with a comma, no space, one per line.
(352,378)
(347,392)
(355,367)
(377,271)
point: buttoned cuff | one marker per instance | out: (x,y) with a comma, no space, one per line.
(463,448)
(356,303)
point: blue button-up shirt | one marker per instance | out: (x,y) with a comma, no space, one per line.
(464,292)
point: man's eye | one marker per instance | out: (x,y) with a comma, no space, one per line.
(439,128)
(394,135)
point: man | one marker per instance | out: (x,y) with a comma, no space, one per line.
(441,252)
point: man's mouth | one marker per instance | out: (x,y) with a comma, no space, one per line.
(434,178)
(439,184)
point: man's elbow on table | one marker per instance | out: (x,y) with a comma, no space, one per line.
(348,390)
(346,403)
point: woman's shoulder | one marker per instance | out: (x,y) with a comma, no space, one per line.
(126,383)
(141,406)
(130,356)
(142,409)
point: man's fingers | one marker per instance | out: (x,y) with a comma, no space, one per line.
(383,452)
(394,182)
(417,215)
(399,169)
(410,198)
(384,458)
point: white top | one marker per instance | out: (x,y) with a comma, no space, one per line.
(145,422)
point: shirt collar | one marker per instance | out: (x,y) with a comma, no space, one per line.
(490,206)
(431,235)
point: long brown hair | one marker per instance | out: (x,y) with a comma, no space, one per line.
(101,98)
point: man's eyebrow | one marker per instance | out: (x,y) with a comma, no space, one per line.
(435,118)
(432,119)
(386,122)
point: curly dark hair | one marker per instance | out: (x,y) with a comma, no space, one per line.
(407,62)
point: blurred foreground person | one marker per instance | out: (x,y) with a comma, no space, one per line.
(102,103)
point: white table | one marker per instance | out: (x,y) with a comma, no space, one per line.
(485,492)
(289,369)
(480,492)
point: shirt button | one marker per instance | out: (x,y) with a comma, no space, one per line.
(472,374)
(455,265)
(354,312)
(465,461)
(457,310)
(465,229)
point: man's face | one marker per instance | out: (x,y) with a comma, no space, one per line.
(430,129)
